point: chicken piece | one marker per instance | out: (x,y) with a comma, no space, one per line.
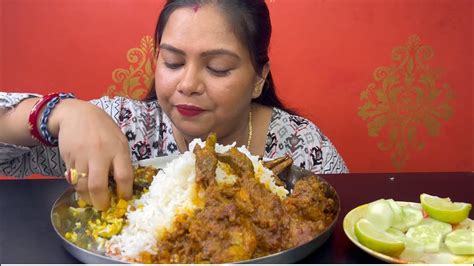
(310,209)
(221,232)
(279,165)
(244,220)
(206,162)
(239,162)
(302,231)
(309,201)
(271,163)
(242,243)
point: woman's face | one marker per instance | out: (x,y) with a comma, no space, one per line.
(204,76)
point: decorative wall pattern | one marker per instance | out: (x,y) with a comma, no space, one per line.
(402,116)
(406,102)
(135,81)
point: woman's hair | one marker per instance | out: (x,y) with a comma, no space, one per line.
(252,25)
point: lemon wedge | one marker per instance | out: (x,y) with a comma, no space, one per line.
(372,237)
(444,210)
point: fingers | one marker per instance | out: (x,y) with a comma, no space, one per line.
(90,140)
(90,179)
(123,175)
(82,191)
(81,186)
(98,183)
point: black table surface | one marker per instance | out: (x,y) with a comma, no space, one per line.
(27,236)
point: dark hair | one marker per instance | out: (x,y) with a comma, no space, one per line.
(251,21)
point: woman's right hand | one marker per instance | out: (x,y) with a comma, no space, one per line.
(92,143)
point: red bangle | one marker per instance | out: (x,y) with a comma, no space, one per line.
(33,118)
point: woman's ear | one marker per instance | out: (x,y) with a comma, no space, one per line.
(261,81)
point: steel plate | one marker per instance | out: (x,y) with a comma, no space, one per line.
(61,221)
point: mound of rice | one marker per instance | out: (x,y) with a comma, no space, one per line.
(173,192)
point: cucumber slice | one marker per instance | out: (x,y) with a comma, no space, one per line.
(397,222)
(429,234)
(380,214)
(395,233)
(460,242)
(411,217)
(438,226)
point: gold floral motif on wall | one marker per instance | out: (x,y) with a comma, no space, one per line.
(406,102)
(135,81)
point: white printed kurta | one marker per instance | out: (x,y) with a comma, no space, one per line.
(150,134)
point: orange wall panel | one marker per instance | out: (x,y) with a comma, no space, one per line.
(323,57)
(71,45)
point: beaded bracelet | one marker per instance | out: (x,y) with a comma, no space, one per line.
(45,104)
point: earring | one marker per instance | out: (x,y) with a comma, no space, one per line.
(258,90)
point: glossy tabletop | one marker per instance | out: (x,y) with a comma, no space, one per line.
(27,236)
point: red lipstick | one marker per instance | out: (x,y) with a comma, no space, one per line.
(189,110)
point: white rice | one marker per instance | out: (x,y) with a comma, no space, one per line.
(173,191)
(170,193)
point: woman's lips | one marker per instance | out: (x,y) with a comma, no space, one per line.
(189,110)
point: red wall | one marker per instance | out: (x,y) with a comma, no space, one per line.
(323,57)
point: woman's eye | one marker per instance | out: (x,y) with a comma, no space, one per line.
(218,73)
(173,66)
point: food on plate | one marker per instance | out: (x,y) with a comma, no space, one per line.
(461,242)
(372,237)
(444,210)
(380,214)
(91,228)
(411,217)
(429,235)
(395,233)
(395,229)
(215,204)
(398,216)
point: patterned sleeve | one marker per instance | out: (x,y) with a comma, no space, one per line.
(304,142)
(323,157)
(332,162)
(20,161)
(141,122)
(10,100)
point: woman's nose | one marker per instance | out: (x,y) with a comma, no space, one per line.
(190,82)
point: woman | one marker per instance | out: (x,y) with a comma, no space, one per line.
(212,75)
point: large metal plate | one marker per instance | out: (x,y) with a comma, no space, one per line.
(60,218)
